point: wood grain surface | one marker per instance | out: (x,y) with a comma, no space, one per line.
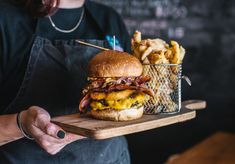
(99,129)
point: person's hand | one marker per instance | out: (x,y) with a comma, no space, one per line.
(36,122)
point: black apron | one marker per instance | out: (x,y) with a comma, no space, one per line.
(55,76)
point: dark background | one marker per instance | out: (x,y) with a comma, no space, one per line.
(206,28)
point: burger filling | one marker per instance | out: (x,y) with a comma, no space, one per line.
(117,100)
(115,93)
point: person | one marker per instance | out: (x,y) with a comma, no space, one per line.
(42,73)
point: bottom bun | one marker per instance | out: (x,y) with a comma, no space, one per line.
(118,115)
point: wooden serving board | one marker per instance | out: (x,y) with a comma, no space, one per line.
(87,126)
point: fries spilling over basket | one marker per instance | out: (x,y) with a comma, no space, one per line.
(162,62)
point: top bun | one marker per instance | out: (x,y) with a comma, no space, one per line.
(114,64)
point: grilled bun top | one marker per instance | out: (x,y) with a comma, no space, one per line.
(114,64)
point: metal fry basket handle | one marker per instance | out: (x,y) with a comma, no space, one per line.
(186,78)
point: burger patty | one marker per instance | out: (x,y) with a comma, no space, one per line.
(119,104)
(112,95)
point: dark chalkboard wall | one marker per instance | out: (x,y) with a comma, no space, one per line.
(206,28)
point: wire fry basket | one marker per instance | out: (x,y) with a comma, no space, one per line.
(166,84)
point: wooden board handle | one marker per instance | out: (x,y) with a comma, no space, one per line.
(194,104)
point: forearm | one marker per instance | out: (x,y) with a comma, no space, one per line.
(9,130)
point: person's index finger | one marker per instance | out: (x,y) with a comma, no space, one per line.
(42,137)
(54,130)
(42,121)
(70,137)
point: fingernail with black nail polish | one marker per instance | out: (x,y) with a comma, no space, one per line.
(60,134)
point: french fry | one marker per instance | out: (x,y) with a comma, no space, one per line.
(156,44)
(137,53)
(142,48)
(168,54)
(147,48)
(176,50)
(182,53)
(146,53)
(162,59)
(153,58)
(146,61)
(137,36)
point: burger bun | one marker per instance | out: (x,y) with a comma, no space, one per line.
(118,115)
(114,64)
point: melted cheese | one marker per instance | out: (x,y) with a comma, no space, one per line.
(119,104)
(116,95)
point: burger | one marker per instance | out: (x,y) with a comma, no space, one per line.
(116,89)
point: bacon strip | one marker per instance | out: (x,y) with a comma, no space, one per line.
(84,102)
(121,87)
(147,91)
(97,83)
(101,82)
(141,80)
